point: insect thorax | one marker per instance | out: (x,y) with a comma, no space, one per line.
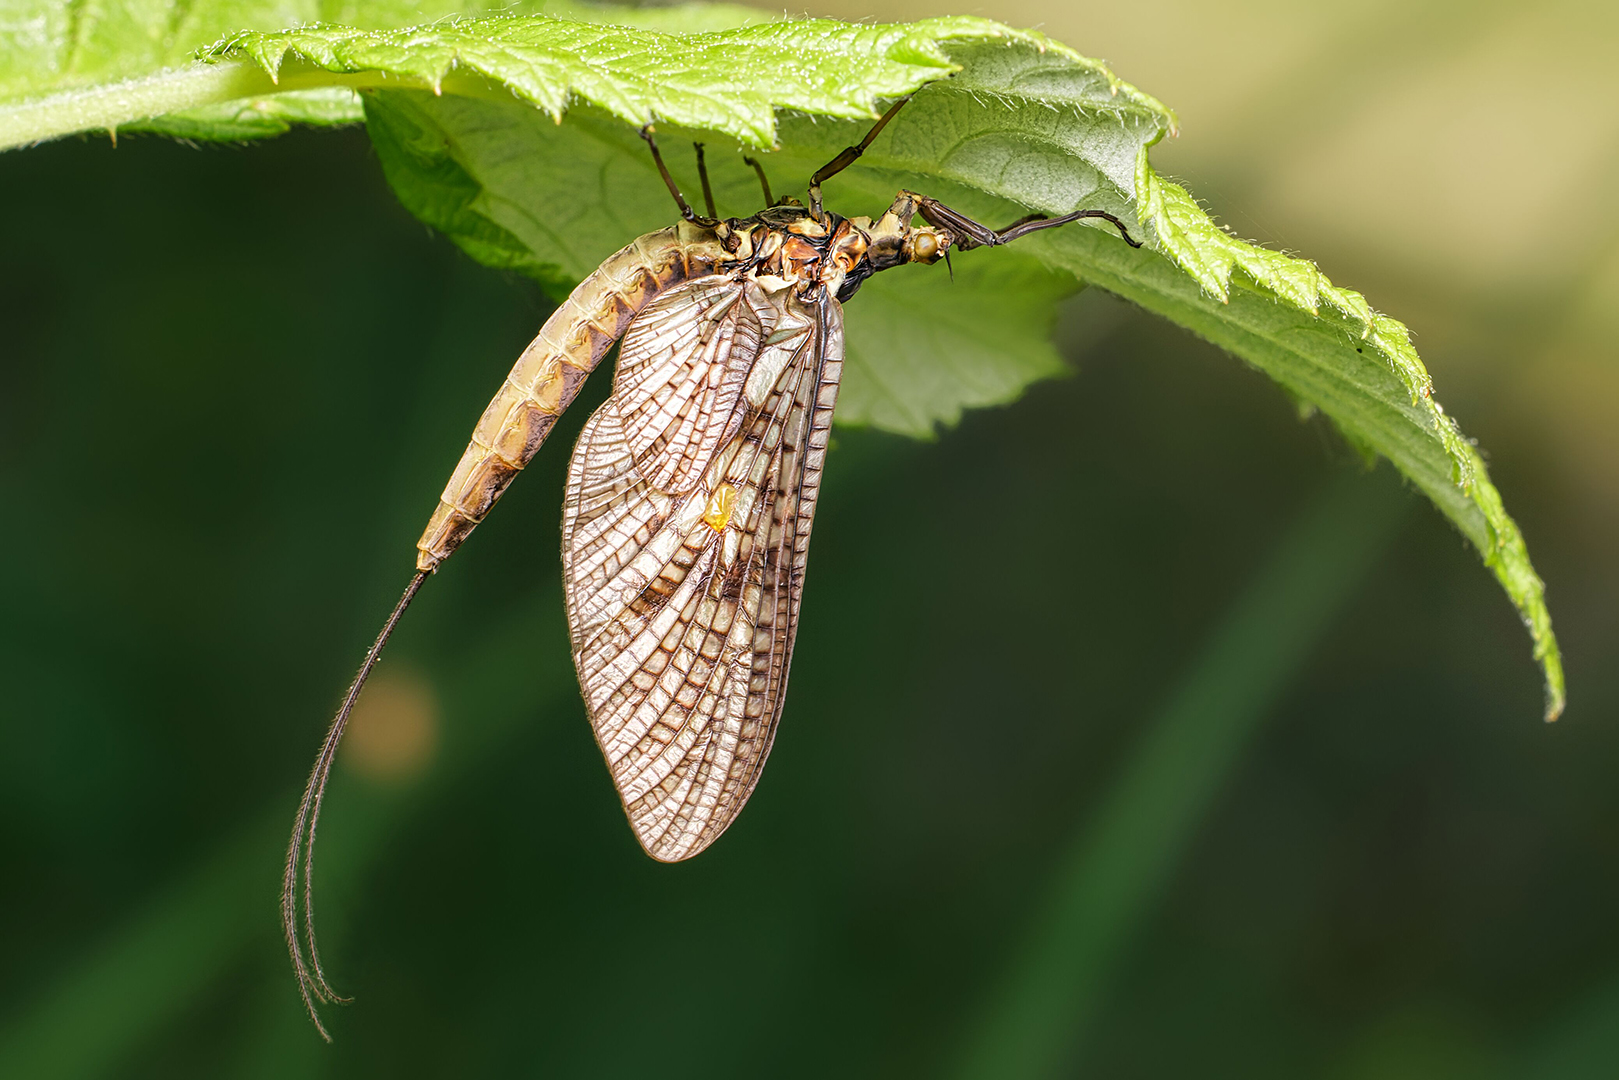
(786,247)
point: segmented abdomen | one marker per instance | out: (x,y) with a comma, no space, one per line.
(549,374)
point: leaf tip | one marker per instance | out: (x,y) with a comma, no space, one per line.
(1551,661)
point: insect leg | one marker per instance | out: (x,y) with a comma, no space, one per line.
(663,170)
(763,182)
(702,174)
(1037,222)
(847,158)
(971,234)
(1024,220)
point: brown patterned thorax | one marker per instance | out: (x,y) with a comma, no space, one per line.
(785,247)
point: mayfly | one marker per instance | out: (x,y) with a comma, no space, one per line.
(690,494)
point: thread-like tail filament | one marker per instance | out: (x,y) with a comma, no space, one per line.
(312,983)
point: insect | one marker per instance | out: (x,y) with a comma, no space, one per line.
(690,494)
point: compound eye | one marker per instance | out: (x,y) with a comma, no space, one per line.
(924,247)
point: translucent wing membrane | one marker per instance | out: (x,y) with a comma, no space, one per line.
(681,370)
(683,583)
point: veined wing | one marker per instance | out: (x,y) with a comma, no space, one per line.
(680,376)
(683,606)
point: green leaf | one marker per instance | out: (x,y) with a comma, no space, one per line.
(71,67)
(49,46)
(259,117)
(920,350)
(468,116)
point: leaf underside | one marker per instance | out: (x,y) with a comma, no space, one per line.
(516,136)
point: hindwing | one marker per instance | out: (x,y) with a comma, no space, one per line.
(683,585)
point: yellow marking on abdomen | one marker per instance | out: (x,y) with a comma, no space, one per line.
(720,505)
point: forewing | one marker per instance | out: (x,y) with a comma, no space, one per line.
(681,369)
(683,607)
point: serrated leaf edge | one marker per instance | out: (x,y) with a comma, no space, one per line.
(1210,255)
(916,51)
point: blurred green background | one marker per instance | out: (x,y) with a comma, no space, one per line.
(1134,732)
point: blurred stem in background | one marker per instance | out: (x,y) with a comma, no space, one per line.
(1110,879)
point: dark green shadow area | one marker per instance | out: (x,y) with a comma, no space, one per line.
(1108,884)
(152,969)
